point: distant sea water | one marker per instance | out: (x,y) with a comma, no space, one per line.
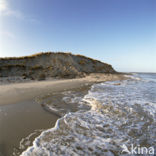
(121,121)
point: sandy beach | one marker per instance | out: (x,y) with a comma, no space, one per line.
(17,92)
(21,115)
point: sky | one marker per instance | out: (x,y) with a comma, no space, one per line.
(119,32)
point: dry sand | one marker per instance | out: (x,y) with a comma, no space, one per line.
(18,92)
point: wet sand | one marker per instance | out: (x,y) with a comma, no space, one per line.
(20,115)
(19,120)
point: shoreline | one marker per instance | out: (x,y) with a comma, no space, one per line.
(20,96)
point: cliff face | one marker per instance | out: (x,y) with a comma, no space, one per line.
(63,65)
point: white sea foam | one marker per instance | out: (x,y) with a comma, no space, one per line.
(134,77)
(121,113)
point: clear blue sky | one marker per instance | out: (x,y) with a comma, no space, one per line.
(118,32)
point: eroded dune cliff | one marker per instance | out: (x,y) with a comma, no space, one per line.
(61,65)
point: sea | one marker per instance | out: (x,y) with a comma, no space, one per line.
(114,118)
